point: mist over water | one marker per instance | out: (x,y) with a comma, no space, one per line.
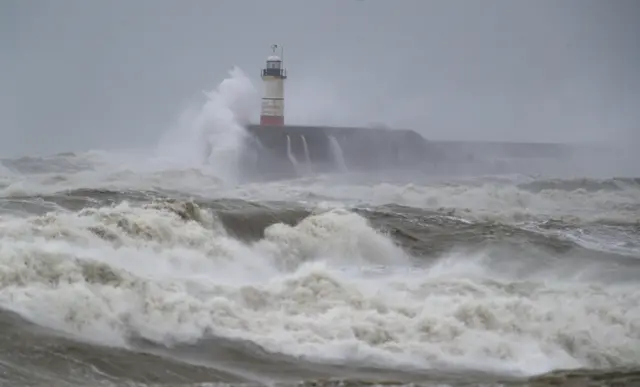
(168,266)
(164,268)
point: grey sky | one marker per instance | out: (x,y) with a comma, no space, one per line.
(79,74)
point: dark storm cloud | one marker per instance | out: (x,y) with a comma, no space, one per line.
(101,74)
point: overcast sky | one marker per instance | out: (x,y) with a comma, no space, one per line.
(79,74)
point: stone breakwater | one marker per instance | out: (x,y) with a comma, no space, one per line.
(282,151)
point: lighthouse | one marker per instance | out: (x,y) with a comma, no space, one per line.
(273,76)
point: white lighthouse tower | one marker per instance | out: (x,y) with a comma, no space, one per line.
(273,75)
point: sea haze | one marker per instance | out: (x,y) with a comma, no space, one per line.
(135,252)
(124,269)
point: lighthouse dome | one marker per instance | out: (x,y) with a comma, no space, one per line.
(274,58)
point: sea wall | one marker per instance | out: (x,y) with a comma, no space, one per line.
(277,149)
(274,152)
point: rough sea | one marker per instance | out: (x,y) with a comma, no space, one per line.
(115,276)
(116,271)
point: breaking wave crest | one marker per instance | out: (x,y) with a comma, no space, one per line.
(613,201)
(326,288)
(214,134)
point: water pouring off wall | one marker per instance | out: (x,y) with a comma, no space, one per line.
(308,164)
(338,155)
(290,154)
(307,156)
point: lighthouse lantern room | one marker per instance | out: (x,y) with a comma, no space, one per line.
(273,76)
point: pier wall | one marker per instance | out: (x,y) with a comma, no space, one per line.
(361,148)
(270,150)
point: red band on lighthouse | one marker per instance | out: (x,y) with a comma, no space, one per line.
(272,120)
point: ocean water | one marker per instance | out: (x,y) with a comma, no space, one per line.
(162,269)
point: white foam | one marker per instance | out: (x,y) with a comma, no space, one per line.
(308,290)
(492,201)
(502,201)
